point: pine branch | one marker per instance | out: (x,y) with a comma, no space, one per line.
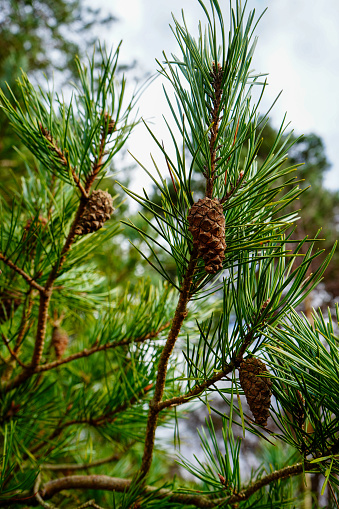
(283,473)
(80,466)
(90,503)
(62,158)
(22,377)
(109,416)
(199,388)
(216,75)
(98,164)
(12,353)
(107,483)
(22,273)
(179,317)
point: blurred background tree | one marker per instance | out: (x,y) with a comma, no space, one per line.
(40,37)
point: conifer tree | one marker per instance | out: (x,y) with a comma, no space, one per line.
(89,374)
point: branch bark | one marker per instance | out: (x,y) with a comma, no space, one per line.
(179,317)
(78,355)
(22,273)
(107,483)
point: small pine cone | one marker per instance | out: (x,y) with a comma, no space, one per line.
(98,210)
(257,389)
(207,226)
(59,341)
(9,302)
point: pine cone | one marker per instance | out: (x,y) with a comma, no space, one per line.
(207,226)
(98,210)
(9,302)
(257,389)
(59,341)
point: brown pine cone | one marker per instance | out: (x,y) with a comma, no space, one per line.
(59,341)
(207,226)
(257,388)
(98,210)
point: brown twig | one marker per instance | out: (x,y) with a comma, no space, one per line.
(79,184)
(22,273)
(78,355)
(80,466)
(216,75)
(107,483)
(24,325)
(90,503)
(180,315)
(98,163)
(199,388)
(283,473)
(104,482)
(62,158)
(12,353)
(109,416)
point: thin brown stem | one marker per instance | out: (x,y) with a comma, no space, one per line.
(22,273)
(81,466)
(200,388)
(283,473)
(25,322)
(45,298)
(104,482)
(179,317)
(79,184)
(90,503)
(107,483)
(78,355)
(12,353)
(109,416)
(216,75)
(197,390)
(98,164)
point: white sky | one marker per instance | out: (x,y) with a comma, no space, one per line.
(298,46)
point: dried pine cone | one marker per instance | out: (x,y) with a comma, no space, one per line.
(257,389)
(207,226)
(59,341)
(98,210)
(9,302)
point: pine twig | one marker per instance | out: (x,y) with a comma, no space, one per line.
(107,483)
(38,497)
(12,353)
(80,466)
(78,355)
(62,158)
(98,163)
(90,503)
(22,273)
(216,75)
(179,317)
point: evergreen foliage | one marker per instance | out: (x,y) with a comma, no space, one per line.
(90,373)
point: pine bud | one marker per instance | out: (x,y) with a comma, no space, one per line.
(59,341)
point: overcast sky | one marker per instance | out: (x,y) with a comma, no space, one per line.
(298,46)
